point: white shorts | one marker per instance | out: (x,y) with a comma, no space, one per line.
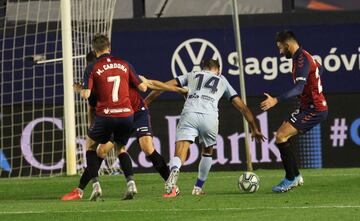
(192,125)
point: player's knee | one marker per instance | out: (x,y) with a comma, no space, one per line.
(92,147)
(146,144)
(280,137)
(181,149)
(148,149)
(207,150)
(101,152)
(91,144)
(121,150)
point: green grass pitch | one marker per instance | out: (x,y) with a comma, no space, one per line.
(328,194)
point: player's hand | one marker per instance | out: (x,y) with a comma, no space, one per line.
(184,91)
(145,80)
(77,87)
(258,136)
(268,103)
(85,93)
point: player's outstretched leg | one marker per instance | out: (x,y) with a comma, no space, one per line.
(126,166)
(158,161)
(159,164)
(181,150)
(283,134)
(171,189)
(204,168)
(171,181)
(298,177)
(289,181)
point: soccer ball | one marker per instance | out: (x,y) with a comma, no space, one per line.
(249,182)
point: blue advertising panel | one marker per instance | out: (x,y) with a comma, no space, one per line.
(168,53)
(165,54)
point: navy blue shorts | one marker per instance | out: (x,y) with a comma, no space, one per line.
(303,120)
(104,127)
(142,124)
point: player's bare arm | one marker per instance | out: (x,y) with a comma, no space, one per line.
(85,93)
(77,87)
(295,91)
(268,103)
(239,104)
(158,85)
(142,87)
(91,110)
(155,93)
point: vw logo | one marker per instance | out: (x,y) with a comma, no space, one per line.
(189,54)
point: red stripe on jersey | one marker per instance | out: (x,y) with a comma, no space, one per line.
(312,95)
(137,102)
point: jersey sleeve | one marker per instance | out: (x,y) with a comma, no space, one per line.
(321,68)
(230,92)
(301,74)
(183,79)
(91,81)
(86,76)
(295,91)
(134,79)
(302,69)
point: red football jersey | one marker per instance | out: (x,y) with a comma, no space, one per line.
(137,102)
(109,81)
(312,95)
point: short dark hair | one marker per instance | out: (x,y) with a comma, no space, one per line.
(210,63)
(90,57)
(100,42)
(285,35)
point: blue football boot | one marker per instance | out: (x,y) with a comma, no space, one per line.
(285,185)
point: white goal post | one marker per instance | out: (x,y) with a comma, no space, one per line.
(69,106)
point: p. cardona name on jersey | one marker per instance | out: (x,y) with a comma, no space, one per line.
(111,66)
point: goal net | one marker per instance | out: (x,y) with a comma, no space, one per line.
(32,88)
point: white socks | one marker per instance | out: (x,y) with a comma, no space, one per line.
(204,169)
(175,163)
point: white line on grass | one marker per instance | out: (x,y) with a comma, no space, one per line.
(306,175)
(182,210)
(31,179)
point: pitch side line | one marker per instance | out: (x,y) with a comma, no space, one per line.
(306,175)
(30,179)
(182,210)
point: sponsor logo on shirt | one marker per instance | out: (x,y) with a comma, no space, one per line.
(116,110)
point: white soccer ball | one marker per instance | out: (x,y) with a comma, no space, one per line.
(249,182)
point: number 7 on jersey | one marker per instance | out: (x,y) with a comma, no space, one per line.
(116,86)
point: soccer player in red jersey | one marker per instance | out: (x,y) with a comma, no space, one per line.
(142,126)
(313,107)
(143,131)
(124,158)
(108,79)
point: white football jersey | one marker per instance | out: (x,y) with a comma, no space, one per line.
(205,90)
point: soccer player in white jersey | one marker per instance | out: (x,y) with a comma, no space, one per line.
(199,118)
